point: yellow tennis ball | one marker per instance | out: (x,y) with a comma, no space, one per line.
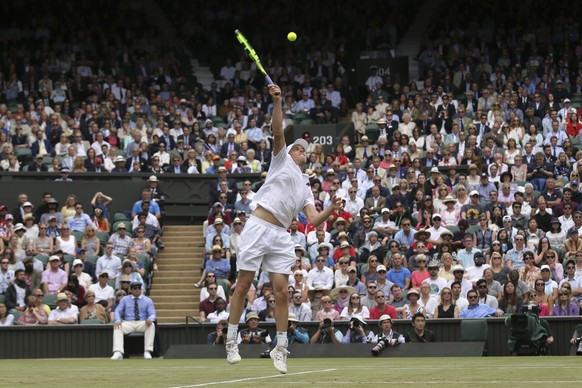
(292,36)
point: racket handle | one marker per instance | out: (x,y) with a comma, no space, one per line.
(268,80)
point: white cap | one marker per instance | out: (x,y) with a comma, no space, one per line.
(300,142)
(385,210)
(545,266)
(436,215)
(474,192)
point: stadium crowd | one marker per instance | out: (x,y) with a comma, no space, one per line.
(461,189)
(51,254)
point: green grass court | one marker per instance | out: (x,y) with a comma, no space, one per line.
(452,372)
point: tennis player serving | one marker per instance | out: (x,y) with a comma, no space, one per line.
(265,239)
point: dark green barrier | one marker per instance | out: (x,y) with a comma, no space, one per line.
(96,341)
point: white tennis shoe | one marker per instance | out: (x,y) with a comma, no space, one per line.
(279,356)
(232,355)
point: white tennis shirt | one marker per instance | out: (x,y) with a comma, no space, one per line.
(286,190)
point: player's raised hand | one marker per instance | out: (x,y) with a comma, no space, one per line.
(275,92)
(336,202)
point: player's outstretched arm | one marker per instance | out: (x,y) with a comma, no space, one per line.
(277,119)
(318,218)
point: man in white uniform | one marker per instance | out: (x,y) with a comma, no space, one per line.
(265,239)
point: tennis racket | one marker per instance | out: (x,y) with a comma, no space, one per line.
(252,54)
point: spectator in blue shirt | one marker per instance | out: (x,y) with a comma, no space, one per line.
(295,334)
(398,274)
(476,310)
(135,313)
(217,264)
(146,195)
(80,221)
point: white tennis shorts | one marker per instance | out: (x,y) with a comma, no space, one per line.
(263,242)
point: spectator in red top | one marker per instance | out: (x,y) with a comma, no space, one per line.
(573,125)
(382,307)
(340,158)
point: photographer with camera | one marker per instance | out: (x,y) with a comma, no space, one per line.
(295,334)
(576,340)
(253,334)
(218,337)
(386,337)
(326,333)
(356,333)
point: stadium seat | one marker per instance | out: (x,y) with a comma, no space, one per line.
(254,186)
(50,300)
(414,220)
(307,122)
(473,330)
(453,228)
(102,236)
(69,259)
(47,160)
(22,153)
(300,116)
(372,131)
(15,314)
(2,298)
(92,322)
(120,152)
(43,259)
(472,229)
(216,120)
(147,266)
(92,259)
(78,236)
(120,216)
(224,286)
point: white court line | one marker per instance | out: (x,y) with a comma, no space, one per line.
(255,378)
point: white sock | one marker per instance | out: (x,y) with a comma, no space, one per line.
(231,333)
(282,339)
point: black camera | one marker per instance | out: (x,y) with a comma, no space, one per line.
(382,344)
(579,344)
(355,323)
(224,330)
(327,322)
(263,334)
(379,347)
(531,309)
(266,354)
